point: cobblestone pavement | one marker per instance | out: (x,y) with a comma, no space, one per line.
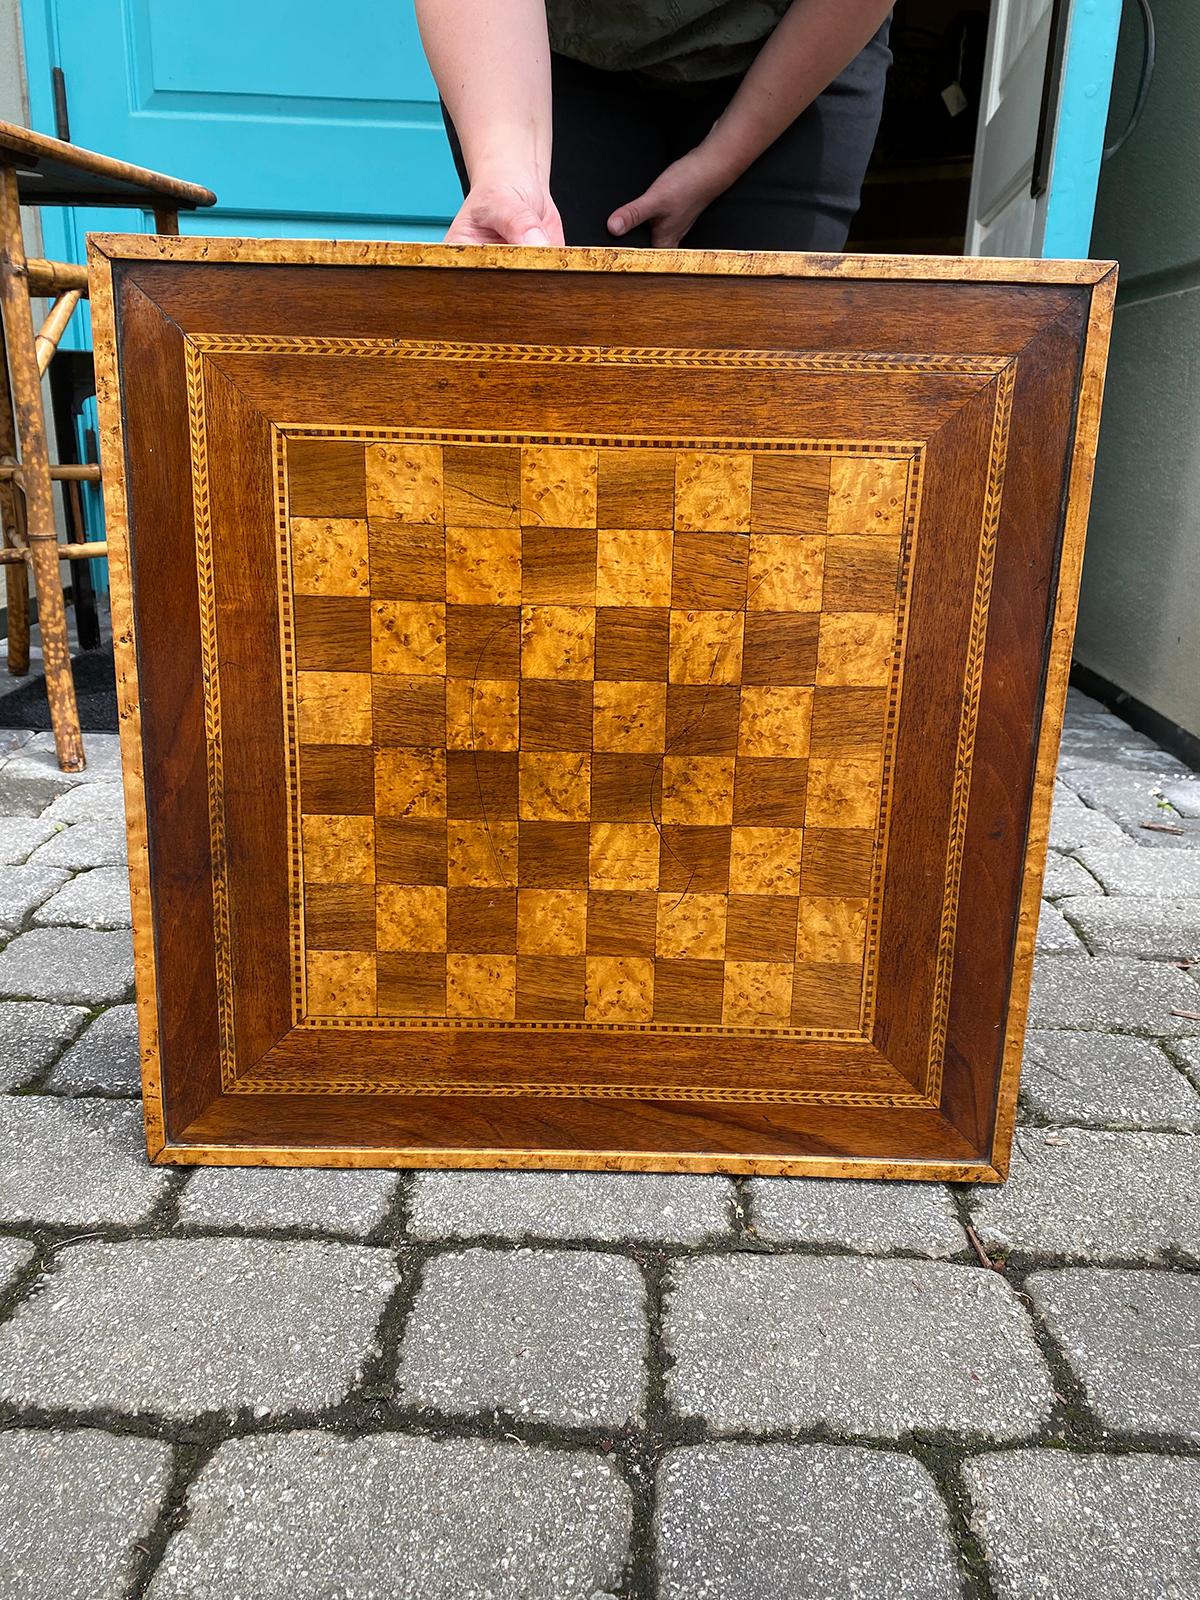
(336,1386)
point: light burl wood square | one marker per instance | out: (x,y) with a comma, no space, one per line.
(623,732)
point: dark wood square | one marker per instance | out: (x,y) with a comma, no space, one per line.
(556,716)
(482,486)
(790,493)
(408,560)
(409,985)
(483,642)
(410,850)
(837,861)
(337,779)
(554,855)
(693,859)
(688,991)
(632,642)
(481,921)
(482,784)
(326,478)
(558,565)
(635,489)
(333,634)
(861,574)
(780,647)
(702,719)
(621,923)
(708,571)
(408,711)
(760,927)
(550,988)
(845,721)
(626,787)
(770,791)
(339,916)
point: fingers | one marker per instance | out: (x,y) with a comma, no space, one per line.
(632,215)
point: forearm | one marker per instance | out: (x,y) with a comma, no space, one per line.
(491,61)
(814,41)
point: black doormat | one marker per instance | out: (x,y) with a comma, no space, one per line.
(25,705)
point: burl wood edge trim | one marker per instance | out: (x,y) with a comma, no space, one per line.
(999,372)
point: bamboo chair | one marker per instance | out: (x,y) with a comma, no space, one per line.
(39,171)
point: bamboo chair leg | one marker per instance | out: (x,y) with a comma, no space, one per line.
(16,581)
(52,330)
(35,463)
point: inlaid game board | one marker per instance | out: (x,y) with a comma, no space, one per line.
(589,708)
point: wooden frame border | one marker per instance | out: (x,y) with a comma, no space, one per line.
(1099,276)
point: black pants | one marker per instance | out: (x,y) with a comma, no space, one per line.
(614,132)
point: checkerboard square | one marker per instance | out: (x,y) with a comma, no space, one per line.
(554,855)
(483,566)
(410,918)
(712,491)
(556,716)
(483,985)
(558,641)
(702,719)
(409,711)
(827,996)
(831,929)
(633,567)
(694,859)
(867,495)
(636,488)
(632,643)
(789,493)
(761,927)
(481,920)
(326,478)
(483,641)
(843,791)
(786,572)
(333,707)
(861,574)
(411,984)
(765,861)
(626,788)
(708,571)
(408,561)
(857,647)
(621,922)
(623,855)
(688,992)
(405,481)
(552,922)
(558,485)
(558,565)
(550,988)
(629,716)
(482,485)
(332,634)
(482,714)
(758,994)
(337,778)
(770,792)
(837,861)
(697,789)
(780,648)
(482,784)
(408,637)
(691,926)
(339,916)
(410,850)
(775,720)
(555,787)
(846,721)
(619,989)
(706,646)
(481,855)
(339,983)
(338,849)
(410,783)
(329,556)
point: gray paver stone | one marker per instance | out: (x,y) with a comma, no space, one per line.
(806,1522)
(15,1256)
(1066,877)
(1129,790)
(30,779)
(1105,992)
(75,1506)
(75,1161)
(1055,935)
(558,1336)
(104,1059)
(96,843)
(1167,874)
(287,1197)
(1095,1196)
(1060,1526)
(862,1347)
(1073,825)
(298,1516)
(71,964)
(32,1032)
(23,888)
(21,836)
(1098,741)
(870,1218)
(1128,925)
(89,802)
(102,752)
(98,898)
(1104,1079)
(1187,1053)
(182,1327)
(569,1205)
(1184,795)
(1133,1341)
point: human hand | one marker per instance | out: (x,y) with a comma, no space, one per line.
(516,211)
(674,200)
